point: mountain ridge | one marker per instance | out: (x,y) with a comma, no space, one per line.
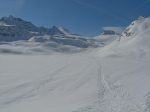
(13,28)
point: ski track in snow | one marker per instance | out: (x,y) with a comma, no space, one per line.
(111,97)
(29,89)
(114,78)
(26,90)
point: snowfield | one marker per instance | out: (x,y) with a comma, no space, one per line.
(50,83)
(114,78)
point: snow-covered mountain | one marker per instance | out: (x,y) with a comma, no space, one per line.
(15,29)
(135,39)
(63,36)
(113,78)
(126,68)
(135,27)
(108,35)
(18,29)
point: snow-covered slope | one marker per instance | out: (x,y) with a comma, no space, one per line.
(106,39)
(47,82)
(108,35)
(126,67)
(114,78)
(136,27)
(135,39)
(5,25)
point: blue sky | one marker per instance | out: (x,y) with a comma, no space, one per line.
(86,17)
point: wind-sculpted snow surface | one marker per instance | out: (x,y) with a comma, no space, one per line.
(47,82)
(126,64)
(114,78)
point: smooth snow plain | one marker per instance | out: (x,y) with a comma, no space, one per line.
(114,78)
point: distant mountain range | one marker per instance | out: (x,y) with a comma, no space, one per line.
(16,29)
(12,29)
